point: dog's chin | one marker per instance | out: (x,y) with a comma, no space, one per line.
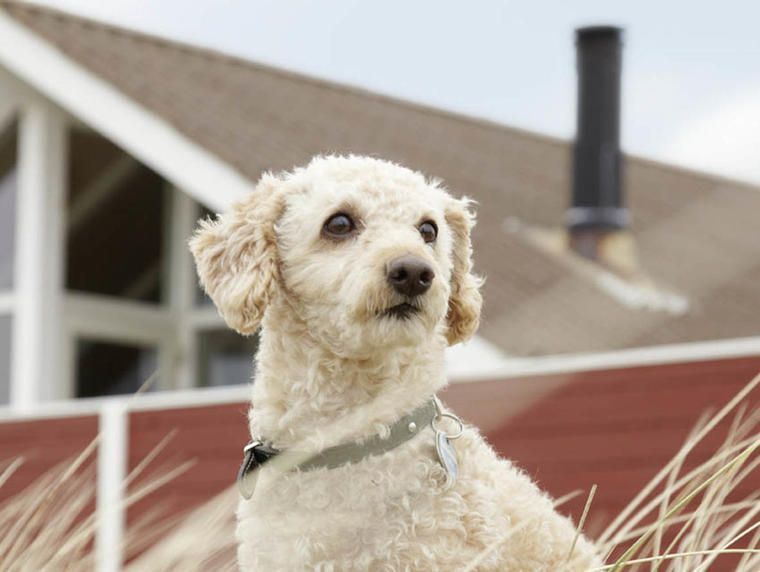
(404,324)
(403,311)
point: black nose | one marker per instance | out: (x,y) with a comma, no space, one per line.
(409,275)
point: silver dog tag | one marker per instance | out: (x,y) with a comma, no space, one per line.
(247,484)
(447,456)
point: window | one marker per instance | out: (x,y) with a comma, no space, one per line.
(115,267)
(225,357)
(128,310)
(106,368)
(5,358)
(114,222)
(7,205)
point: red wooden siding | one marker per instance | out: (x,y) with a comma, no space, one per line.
(211,436)
(44,444)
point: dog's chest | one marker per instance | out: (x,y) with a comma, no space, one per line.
(351,511)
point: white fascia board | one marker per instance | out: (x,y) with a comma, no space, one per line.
(636,357)
(140,132)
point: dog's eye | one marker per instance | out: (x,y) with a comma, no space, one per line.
(429,231)
(339,225)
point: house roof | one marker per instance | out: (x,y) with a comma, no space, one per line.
(697,235)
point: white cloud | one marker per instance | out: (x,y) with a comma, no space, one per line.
(725,141)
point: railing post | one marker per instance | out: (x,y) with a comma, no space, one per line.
(113,453)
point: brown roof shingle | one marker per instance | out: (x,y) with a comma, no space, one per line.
(696,234)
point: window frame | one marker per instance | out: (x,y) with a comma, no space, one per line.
(9,113)
(172,327)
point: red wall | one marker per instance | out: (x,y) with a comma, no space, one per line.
(43,444)
(211,436)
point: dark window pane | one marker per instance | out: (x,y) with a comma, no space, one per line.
(5,358)
(201,298)
(114,222)
(105,368)
(7,205)
(225,358)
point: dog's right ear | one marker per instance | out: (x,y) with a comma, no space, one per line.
(465,300)
(236,256)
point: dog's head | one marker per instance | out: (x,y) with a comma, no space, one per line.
(368,254)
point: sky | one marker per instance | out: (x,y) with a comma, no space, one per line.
(691,71)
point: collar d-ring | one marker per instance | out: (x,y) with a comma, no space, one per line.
(440,414)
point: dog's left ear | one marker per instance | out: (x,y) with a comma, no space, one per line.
(465,300)
(236,256)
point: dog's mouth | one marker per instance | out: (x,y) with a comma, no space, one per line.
(402,311)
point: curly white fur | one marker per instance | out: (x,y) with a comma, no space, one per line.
(332,368)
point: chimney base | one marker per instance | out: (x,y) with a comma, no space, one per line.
(613,249)
(612,218)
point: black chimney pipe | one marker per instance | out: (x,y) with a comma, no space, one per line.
(597,203)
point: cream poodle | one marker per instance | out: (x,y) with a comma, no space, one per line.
(359,273)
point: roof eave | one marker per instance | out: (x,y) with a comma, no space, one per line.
(143,134)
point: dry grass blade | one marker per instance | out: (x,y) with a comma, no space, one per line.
(633,550)
(31,517)
(731,509)
(745,563)
(734,536)
(708,523)
(683,482)
(612,567)
(567,498)
(716,525)
(10,469)
(626,513)
(663,522)
(702,527)
(148,459)
(581,522)
(51,523)
(203,540)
